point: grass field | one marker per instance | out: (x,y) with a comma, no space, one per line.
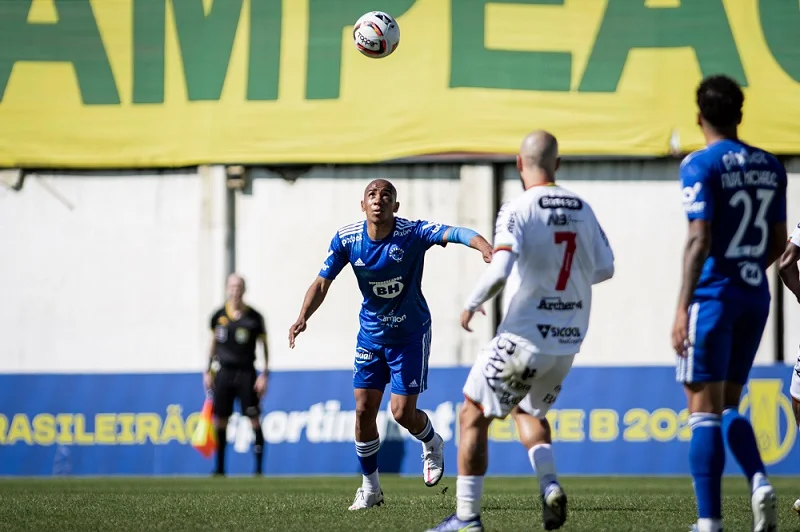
(596,504)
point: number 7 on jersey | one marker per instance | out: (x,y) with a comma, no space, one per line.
(568,238)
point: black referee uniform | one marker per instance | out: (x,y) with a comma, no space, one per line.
(235,343)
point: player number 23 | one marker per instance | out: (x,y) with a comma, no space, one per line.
(736,250)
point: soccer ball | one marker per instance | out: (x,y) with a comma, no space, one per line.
(376,34)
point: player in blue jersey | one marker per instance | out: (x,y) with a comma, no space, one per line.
(734,196)
(393,345)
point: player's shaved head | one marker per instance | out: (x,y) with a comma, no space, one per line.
(236,281)
(381,184)
(540,150)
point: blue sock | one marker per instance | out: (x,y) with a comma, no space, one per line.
(367,452)
(426,434)
(741,440)
(706,462)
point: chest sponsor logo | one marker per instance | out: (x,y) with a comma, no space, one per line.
(557,304)
(388,289)
(390,320)
(564,335)
(351,238)
(221,333)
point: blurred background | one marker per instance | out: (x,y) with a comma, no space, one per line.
(151,147)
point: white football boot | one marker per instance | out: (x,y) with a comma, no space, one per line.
(433,462)
(366,500)
(765,509)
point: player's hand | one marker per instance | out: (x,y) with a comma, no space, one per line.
(466,317)
(487,255)
(680,332)
(208,380)
(296,328)
(260,386)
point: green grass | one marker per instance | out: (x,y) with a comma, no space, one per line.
(320,503)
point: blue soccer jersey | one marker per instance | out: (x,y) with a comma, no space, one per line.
(389,274)
(741,192)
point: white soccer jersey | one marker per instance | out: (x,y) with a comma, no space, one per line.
(561,251)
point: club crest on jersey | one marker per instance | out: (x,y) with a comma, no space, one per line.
(396,253)
(242,335)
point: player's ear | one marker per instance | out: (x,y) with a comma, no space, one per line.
(558,163)
(363,206)
(519,163)
(699,120)
(396,206)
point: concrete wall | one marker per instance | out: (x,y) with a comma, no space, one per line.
(120,272)
(110,273)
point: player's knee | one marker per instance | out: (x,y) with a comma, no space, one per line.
(404,413)
(365,413)
(470,414)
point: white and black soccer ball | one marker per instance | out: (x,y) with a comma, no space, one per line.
(376,34)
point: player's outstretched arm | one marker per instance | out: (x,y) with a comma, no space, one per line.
(698,245)
(470,238)
(490,284)
(315,295)
(788,270)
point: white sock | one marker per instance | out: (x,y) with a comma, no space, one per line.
(756,481)
(709,525)
(541,457)
(370,483)
(469,490)
(431,445)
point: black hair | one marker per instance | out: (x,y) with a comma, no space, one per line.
(720,101)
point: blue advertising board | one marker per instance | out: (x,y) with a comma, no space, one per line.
(607,421)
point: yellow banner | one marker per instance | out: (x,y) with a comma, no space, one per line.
(131,83)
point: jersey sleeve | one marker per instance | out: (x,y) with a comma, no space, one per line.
(795,237)
(431,233)
(335,261)
(603,256)
(697,194)
(261,330)
(507,230)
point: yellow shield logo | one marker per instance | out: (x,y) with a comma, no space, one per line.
(772,418)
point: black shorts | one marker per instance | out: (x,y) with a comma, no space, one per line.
(233,383)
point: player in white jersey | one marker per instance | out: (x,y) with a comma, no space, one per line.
(790,275)
(549,251)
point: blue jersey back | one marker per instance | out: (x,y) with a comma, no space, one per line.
(389,274)
(741,191)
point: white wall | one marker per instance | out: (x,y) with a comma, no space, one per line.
(127,279)
(283,233)
(121,281)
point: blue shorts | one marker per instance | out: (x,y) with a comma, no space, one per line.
(404,365)
(725,336)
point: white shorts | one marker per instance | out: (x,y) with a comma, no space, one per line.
(794,387)
(508,373)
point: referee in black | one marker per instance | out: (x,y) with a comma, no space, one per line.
(236,330)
